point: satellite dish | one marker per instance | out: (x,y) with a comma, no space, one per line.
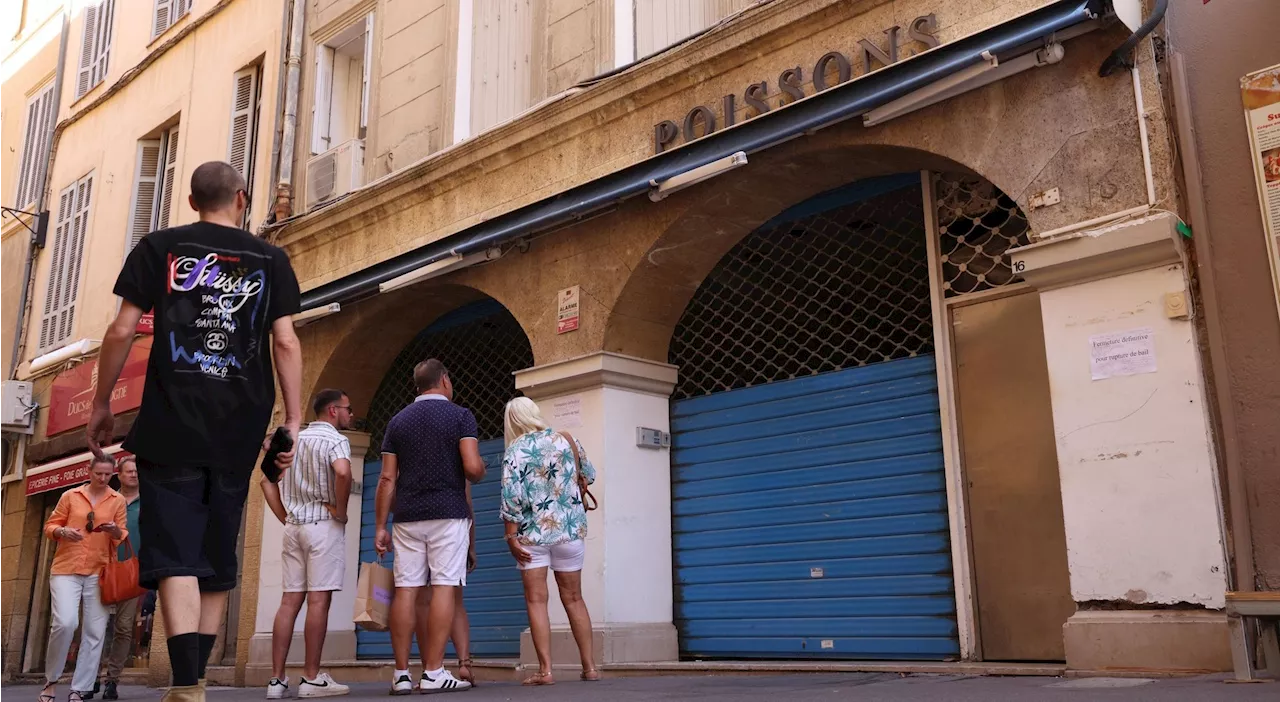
(1129,12)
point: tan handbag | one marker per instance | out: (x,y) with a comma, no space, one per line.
(589,501)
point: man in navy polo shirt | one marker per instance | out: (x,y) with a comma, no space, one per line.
(429,452)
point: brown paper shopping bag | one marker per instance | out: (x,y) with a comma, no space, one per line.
(373,597)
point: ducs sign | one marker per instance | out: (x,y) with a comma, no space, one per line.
(832,68)
(71,398)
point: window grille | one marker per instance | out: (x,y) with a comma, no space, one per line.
(978,224)
(844,286)
(481,344)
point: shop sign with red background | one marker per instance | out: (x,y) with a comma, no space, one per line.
(147,323)
(39,481)
(71,398)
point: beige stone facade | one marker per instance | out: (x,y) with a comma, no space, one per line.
(468,113)
(637,264)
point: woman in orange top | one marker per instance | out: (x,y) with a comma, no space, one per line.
(88,525)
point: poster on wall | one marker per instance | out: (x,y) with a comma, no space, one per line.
(1260,92)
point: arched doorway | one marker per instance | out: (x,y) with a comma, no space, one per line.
(482,345)
(809,499)
(811,516)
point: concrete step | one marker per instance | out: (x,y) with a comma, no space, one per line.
(510,670)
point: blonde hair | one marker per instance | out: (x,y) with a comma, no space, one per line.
(522,416)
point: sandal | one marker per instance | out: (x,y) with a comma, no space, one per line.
(46,697)
(469,677)
(539,678)
(591,675)
(75,697)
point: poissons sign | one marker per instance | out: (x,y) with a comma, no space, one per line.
(832,68)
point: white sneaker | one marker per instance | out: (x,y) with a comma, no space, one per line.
(444,682)
(277,688)
(322,686)
(402,685)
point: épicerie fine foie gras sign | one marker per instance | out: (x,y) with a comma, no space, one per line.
(832,68)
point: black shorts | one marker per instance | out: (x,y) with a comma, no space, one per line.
(189,519)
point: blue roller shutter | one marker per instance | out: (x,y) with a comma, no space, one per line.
(810,518)
(494,595)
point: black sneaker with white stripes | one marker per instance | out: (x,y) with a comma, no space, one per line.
(442,682)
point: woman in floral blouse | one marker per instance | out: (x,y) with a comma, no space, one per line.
(546,524)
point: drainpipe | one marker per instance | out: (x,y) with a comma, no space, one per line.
(19,455)
(286,13)
(283,207)
(33,251)
(1122,57)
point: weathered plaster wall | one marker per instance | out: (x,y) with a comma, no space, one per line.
(610,125)
(413,65)
(1221,42)
(1135,452)
(638,266)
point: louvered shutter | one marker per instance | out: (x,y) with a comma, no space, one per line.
(29,154)
(57,266)
(58,320)
(243,122)
(88,40)
(161,18)
(368,66)
(39,158)
(180,8)
(143,208)
(168,178)
(320,107)
(102,49)
(75,258)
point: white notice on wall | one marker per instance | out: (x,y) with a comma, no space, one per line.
(1122,353)
(566,412)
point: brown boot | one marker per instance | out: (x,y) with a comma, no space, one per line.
(186,693)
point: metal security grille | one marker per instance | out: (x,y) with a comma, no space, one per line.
(481,344)
(839,281)
(978,224)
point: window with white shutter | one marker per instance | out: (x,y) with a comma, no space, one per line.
(95,46)
(166,177)
(153,186)
(340,108)
(146,181)
(58,320)
(244,126)
(35,147)
(167,13)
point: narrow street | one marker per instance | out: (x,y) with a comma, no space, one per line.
(865,687)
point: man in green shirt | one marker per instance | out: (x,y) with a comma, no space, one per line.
(121,646)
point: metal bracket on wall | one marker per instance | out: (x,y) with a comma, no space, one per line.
(38,233)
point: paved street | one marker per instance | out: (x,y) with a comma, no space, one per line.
(868,687)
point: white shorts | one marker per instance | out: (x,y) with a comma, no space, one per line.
(562,558)
(431,552)
(314,556)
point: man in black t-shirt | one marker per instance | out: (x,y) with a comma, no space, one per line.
(222,300)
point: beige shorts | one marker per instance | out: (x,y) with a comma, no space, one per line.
(431,552)
(314,556)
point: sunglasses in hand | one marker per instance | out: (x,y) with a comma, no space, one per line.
(89,526)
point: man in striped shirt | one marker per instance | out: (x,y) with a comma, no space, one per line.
(311,502)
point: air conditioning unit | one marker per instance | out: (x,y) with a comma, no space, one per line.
(18,412)
(335,172)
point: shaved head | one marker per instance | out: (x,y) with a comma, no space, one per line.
(214,186)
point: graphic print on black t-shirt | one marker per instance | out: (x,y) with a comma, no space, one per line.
(209,390)
(215,308)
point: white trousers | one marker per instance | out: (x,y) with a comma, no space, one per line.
(67,594)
